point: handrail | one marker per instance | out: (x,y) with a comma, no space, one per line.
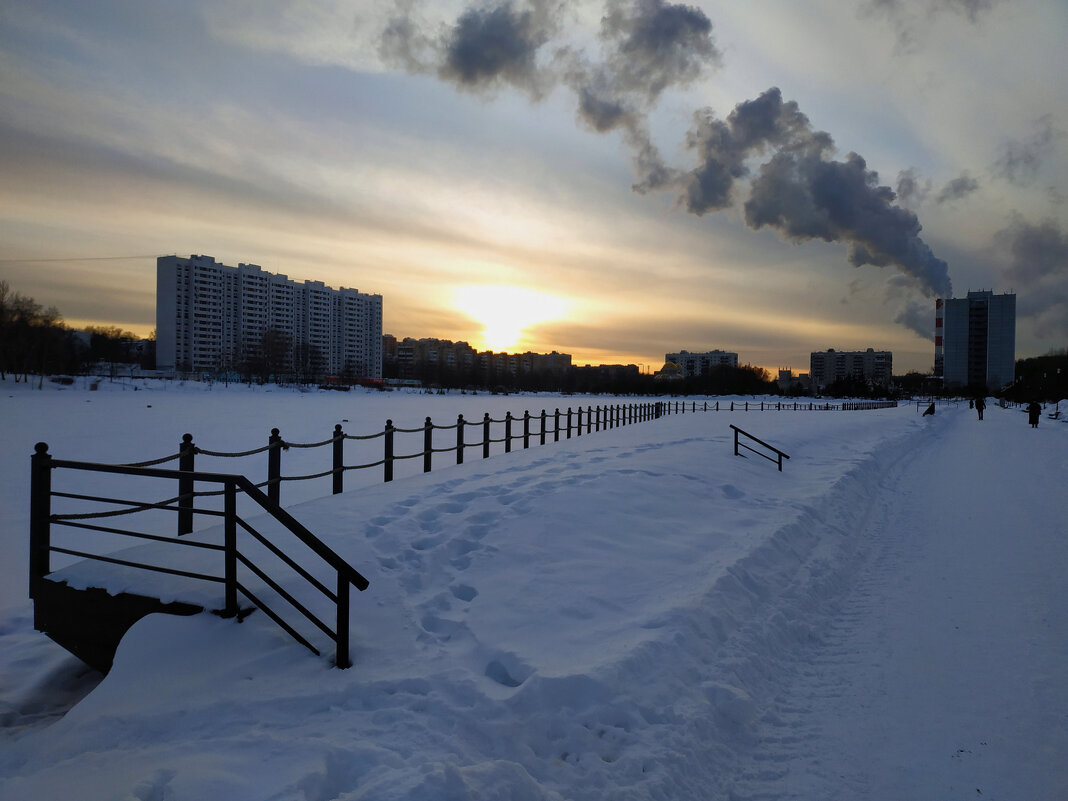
(737,444)
(558,424)
(40,539)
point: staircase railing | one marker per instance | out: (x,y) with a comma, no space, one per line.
(738,444)
(42,519)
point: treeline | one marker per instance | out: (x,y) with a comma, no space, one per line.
(34,341)
(603,379)
(1042,378)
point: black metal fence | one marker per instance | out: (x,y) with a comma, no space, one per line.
(236,560)
(511,431)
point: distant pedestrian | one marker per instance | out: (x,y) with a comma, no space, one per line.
(980,404)
(1034,411)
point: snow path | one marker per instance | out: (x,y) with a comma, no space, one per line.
(946,663)
(634,615)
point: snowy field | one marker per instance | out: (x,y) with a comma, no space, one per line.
(634,614)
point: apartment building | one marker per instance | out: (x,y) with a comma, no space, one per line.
(975,340)
(212,317)
(875,366)
(694,364)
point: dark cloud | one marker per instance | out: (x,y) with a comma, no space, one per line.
(654,45)
(486,48)
(1038,269)
(648,46)
(805,196)
(724,147)
(957,188)
(497,45)
(1019,161)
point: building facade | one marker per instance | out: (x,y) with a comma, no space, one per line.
(415,358)
(874,366)
(975,340)
(694,364)
(211,317)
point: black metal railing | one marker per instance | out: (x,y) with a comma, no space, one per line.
(779,455)
(509,431)
(42,518)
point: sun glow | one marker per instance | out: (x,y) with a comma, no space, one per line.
(506,312)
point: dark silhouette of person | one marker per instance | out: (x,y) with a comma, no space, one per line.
(980,404)
(1034,411)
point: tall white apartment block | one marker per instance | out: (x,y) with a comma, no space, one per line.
(212,317)
(975,340)
(694,364)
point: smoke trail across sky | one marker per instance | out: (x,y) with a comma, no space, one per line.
(764,156)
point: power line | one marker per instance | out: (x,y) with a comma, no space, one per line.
(79,258)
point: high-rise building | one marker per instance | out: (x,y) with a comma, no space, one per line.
(876,366)
(212,317)
(694,364)
(975,340)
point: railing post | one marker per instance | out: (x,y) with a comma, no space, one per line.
(526,429)
(735,441)
(485,435)
(569,422)
(589,419)
(578,426)
(186,451)
(542,434)
(428,444)
(341,658)
(387,457)
(230,549)
(339,459)
(274,466)
(597,424)
(507,432)
(556,426)
(459,439)
(40,514)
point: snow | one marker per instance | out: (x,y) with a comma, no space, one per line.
(633,614)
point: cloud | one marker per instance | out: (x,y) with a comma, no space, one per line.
(491,46)
(912,188)
(911,18)
(646,47)
(958,188)
(1019,161)
(1038,265)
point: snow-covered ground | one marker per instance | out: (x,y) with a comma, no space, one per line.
(634,614)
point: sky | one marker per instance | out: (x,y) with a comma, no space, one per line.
(614,180)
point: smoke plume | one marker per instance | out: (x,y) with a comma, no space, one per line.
(764,156)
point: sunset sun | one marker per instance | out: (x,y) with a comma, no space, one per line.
(505,312)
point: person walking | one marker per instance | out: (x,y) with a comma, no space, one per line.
(1034,411)
(980,404)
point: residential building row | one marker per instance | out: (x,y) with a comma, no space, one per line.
(831,366)
(408,358)
(211,316)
